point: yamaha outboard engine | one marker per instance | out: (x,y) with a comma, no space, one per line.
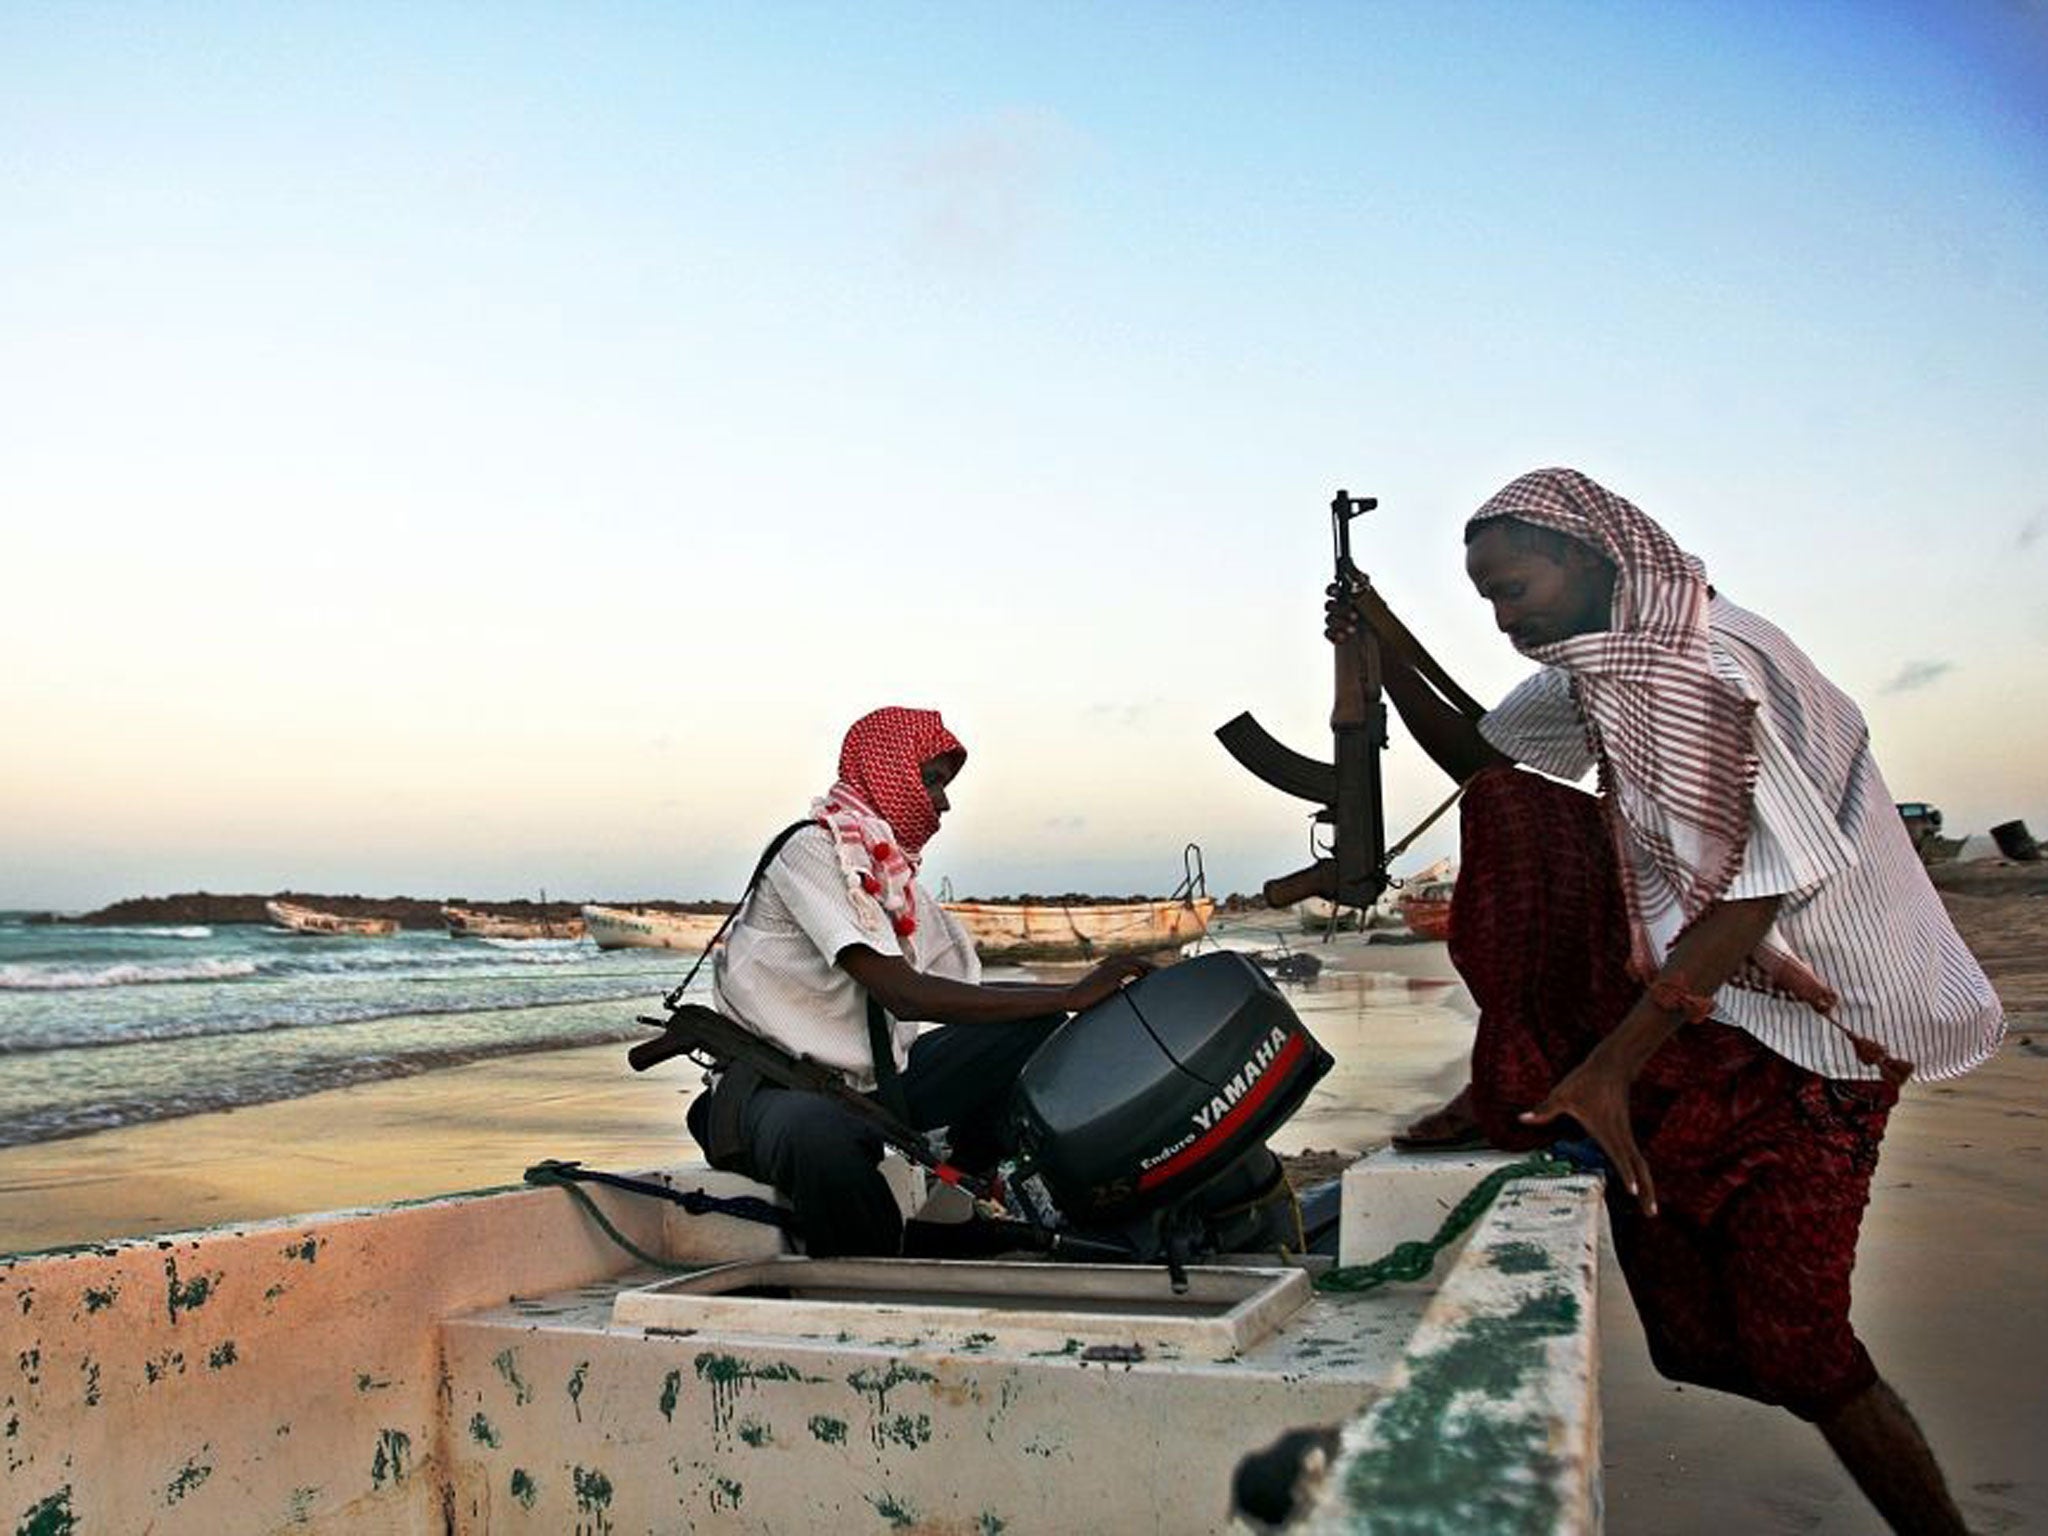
(1145,1118)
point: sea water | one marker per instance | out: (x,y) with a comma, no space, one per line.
(102,1027)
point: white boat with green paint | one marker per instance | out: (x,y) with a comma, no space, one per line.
(494,1362)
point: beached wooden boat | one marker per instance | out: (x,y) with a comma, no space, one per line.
(330,924)
(1318,914)
(1000,930)
(468,923)
(1426,908)
(493,1363)
(644,928)
(1048,931)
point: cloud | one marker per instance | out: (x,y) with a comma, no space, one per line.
(1065,824)
(1917,674)
(2032,529)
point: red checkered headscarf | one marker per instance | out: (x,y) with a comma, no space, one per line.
(879,812)
(1675,741)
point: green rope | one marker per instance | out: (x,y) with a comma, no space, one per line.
(548,1178)
(1414,1260)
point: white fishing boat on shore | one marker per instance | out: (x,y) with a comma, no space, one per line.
(1008,931)
(468,923)
(1318,914)
(646,928)
(495,1363)
(300,919)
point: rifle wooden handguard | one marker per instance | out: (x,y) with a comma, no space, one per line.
(1319,879)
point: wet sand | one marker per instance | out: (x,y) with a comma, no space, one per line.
(1948,1283)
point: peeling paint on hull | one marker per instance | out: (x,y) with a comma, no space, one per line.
(453,1367)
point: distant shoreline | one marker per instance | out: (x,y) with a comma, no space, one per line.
(201,907)
(206,907)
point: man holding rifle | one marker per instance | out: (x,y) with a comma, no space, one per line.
(837,954)
(1722,968)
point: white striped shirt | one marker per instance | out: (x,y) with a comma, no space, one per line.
(1823,835)
(776,974)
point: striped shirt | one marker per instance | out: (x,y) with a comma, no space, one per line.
(776,972)
(1823,834)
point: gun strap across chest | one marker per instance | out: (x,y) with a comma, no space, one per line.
(740,1081)
(882,1046)
(760,868)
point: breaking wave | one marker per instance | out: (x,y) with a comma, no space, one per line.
(130,973)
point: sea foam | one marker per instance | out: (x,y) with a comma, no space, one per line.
(42,978)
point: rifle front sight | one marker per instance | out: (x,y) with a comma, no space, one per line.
(1343,507)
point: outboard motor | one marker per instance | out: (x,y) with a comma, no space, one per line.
(1145,1118)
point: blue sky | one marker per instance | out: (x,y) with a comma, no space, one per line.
(458,450)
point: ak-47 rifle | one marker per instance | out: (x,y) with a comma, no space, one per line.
(1348,788)
(710,1039)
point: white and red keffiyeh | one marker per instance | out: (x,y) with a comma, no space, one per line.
(880,813)
(1675,741)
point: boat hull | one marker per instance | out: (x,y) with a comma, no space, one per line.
(1427,919)
(366,1371)
(328,924)
(1006,931)
(467,923)
(630,928)
(1425,906)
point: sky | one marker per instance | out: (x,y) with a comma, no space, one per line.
(464,450)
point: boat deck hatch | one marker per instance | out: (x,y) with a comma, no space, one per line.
(1027,1305)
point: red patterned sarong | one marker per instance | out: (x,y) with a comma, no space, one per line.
(1762,1167)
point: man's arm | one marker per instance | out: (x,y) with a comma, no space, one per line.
(1595,1092)
(1448,735)
(909,993)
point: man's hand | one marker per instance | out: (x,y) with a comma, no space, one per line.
(1438,714)
(1340,614)
(1106,980)
(1595,1093)
(1362,608)
(909,993)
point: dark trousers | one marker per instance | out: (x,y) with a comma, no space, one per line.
(826,1160)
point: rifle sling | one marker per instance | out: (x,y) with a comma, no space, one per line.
(726,1106)
(882,1045)
(760,868)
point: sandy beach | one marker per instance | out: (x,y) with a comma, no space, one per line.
(1947,1287)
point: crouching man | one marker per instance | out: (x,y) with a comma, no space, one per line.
(838,954)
